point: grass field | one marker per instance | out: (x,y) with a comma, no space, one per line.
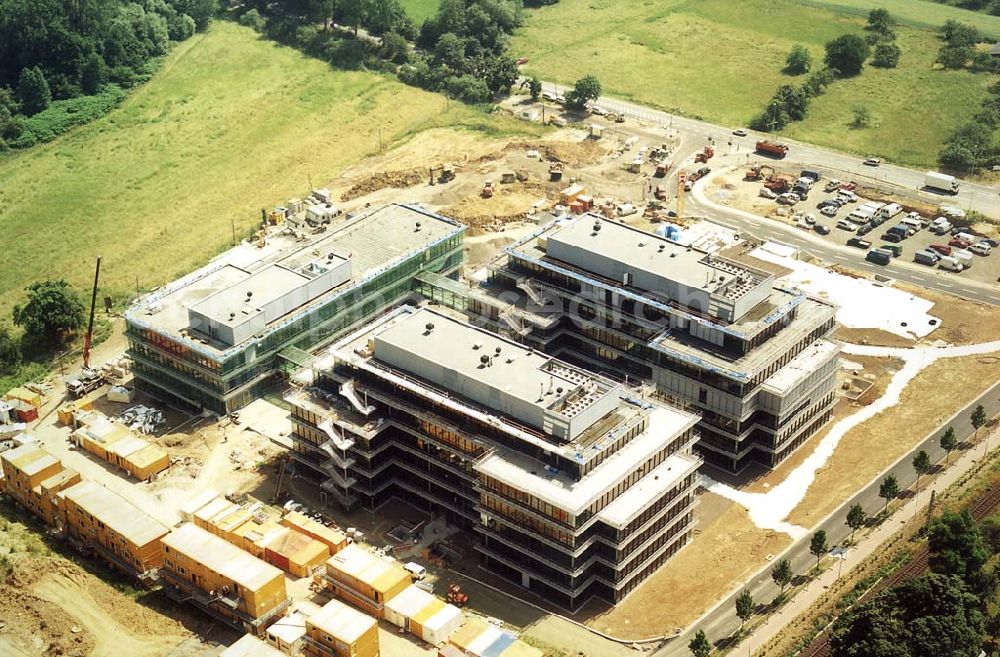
(229,125)
(420,10)
(721,60)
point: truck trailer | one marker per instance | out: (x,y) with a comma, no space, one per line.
(941,182)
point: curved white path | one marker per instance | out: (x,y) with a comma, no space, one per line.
(769,510)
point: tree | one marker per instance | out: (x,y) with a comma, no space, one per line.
(978,419)
(744,607)
(201,11)
(856,518)
(921,465)
(782,574)
(886,55)
(888,490)
(93,74)
(500,73)
(948,442)
(586,89)
(52,311)
(959,34)
(353,12)
(10,352)
(930,615)
(699,645)
(957,546)
(862,117)
(818,546)
(33,91)
(535,88)
(881,24)
(847,54)
(795,102)
(818,81)
(394,47)
(253,20)
(955,57)
(450,52)
(799,60)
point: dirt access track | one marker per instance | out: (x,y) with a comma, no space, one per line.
(50,606)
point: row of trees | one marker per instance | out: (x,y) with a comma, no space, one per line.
(54,51)
(881,34)
(972,145)
(461,50)
(984,6)
(954,544)
(958,48)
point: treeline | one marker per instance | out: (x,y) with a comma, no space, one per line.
(983,6)
(844,57)
(63,63)
(972,145)
(945,612)
(461,50)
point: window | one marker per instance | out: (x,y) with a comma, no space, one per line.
(702,396)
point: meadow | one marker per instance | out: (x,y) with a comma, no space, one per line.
(721,60)
(420,10)
(230,124)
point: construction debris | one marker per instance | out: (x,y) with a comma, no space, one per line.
(142,419)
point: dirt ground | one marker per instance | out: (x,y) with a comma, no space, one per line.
(874,337)
(872,446)
(962,321)
(51,606)
(723,553)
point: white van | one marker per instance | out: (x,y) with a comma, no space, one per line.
(963,256)
(950,263)
(844,224)
(417,572)
(860,216)
(890,211)
(910,222)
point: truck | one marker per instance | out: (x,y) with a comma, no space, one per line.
(86,381)
(941,182)
(963,256)
(895,249)
(768,147)
(926,257)
(941,226)
(662,167)
(879,256)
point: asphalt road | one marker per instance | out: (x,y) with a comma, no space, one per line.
(972,196)
(722,621)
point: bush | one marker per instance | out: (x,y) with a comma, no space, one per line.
(181,27)
(253,20)
(64,114)
(886,55)
(955,57)
(467,89)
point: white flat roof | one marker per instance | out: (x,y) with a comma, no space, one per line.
(120,515)
(341,622)
(289,628)
(527,474)
(410,601)
(250,646)
(221,556)
(648,489)
(363,565)
(800,367)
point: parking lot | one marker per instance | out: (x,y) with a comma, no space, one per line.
(808,215)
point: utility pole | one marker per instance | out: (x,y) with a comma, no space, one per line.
(90,325)
(232,221)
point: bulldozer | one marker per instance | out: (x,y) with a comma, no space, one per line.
(487,189)
(555,171)
(446,174)
(759,172)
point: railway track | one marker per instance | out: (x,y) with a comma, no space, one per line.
(979,509)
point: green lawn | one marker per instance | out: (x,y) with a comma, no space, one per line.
(420,10)
(230,124)
(721,60)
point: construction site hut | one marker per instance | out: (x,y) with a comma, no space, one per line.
(364,579)
(250,646)
(337,630)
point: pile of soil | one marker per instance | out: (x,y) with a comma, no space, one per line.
(383,180)
(35,625)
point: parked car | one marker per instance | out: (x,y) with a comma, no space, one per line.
(789,198)
(847,195)
(981,248)
(829,210)
(959,243)
(940,248)
(810,219)
(740,132)
(894,238)
(832,186)
(864,230)
(872,162)
(821,229)
(859,243)
(844,224)
(767,193)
